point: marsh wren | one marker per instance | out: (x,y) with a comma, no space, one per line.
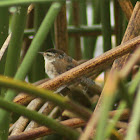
(58,62)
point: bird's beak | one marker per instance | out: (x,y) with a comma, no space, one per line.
(41,53)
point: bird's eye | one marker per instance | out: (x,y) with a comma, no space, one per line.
(48,54)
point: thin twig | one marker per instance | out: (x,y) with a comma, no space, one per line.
(5,45)
(61,33)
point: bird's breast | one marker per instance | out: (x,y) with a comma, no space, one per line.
(50,70)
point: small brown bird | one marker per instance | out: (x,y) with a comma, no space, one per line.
(58,62)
